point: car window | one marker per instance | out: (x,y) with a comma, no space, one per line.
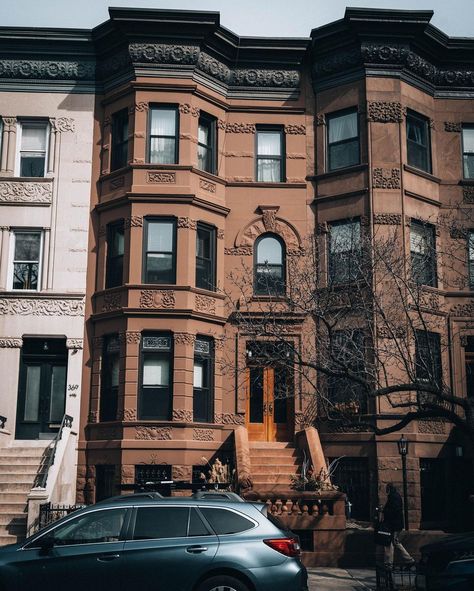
(91,528)
(224,521)
(161,522)
(196,525)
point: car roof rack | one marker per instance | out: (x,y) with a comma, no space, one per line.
(155,496)
(220,495)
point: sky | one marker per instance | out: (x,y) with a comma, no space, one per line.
(275,18)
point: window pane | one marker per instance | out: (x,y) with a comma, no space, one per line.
(159,268)
(416,131)
(163,122)
(27,246)
(58,393)
(468,166)
(33,138)
(268,171)
(468,139)
(269,143)
(345,154)
(117,241)
(160,236)
(205,159)
(269,250)
(33,376)
(196,525)
(342,127)
(224,521)
(156,371)
(32,165)
(100,526)
(161,522)
(162,150)
(345,237)
(198,381)
(203,133)
(25,275)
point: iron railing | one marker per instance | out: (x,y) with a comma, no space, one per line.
(50,513)
(398,577)
(49,460)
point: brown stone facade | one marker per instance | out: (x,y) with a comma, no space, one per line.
(297,101)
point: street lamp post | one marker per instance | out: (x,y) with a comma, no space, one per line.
(403,451)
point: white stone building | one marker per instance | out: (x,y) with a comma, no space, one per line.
(46,110)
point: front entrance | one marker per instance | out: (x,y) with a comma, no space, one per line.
(42,388)
(270,402)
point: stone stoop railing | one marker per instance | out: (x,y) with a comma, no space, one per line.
(318,518)
(308,441)
(53,486)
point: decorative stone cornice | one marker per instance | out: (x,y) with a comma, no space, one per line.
(29,192)
(162,53)
(41,307)
(386,178)
(384,112)
(74,344)
(11,343)
(35,69)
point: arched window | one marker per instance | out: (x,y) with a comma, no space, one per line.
(269,265)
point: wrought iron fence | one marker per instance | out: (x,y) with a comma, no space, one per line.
(50,513)
(395,578)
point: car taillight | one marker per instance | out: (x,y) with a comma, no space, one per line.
(286,546)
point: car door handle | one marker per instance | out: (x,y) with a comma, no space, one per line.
(196,549)
(108,557)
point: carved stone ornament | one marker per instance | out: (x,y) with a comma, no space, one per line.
(463,310)
(111,301)
(151,433)
(203,434)
(161,177)
(140,107)
(135,221)
(207,186)
(432,427)
(182,415)
(227,418)
(130,337)
(9,124)
(62,124)
(42,307)
(93,416)
(128,415)
(28,69)
(160,53)
(386,178)
(157,298)
(321,119)
(295,129)
(468,194)
(452,126)
(184,338)
(241,251)
(384,112)
(391,332)
(181,472)
(388,219)
(186,108)
(269,213)
(25,192)
(265,78)
(240,128)
(117,183)
(220,234)
(188,223)
(283,228)
(205,304)
(74,344)
(11,343)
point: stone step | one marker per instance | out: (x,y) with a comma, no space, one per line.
(15,487)
(19,468)
(265,479)
(22,460)
(8,518)
(36,452)
(4,540)
(12,507)
(274,452)
(257,475)
(271,445)
(13,497)
(18,477)
(13,529)
(270,464)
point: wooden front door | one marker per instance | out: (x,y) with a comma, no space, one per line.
(269,405)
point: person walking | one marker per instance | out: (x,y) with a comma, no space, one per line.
(393,519)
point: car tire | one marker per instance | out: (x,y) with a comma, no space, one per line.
(222,583)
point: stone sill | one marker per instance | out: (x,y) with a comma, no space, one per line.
(422,173)
(339,172)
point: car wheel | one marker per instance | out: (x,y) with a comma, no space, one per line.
(222,583)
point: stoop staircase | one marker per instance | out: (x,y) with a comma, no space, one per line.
(19,467)
(273,464)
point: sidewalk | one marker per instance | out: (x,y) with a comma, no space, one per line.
(340,579)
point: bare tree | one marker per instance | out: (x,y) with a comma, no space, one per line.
(376,330)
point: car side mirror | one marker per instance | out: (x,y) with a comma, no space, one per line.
(45,544)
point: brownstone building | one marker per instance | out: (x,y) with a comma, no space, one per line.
(214,153)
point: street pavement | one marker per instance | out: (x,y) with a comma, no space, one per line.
(340,579)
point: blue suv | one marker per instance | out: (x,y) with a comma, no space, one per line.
(152,543)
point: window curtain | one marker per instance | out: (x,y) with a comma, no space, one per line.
(160,237)
(342,127)
(269,144)
(33,139)
(415,131)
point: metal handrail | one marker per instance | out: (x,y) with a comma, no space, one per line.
(66,422)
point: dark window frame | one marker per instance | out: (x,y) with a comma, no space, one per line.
(109,394)
(465,154)
(169,353)
(119,147)
(211,230)
(432,259)
(282,290)
(209,360)
(427,147)
(211,123)
(332,256)
(281,158)
(329,118)
(164,107)
(431,341)
(112,277)
(147,221)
